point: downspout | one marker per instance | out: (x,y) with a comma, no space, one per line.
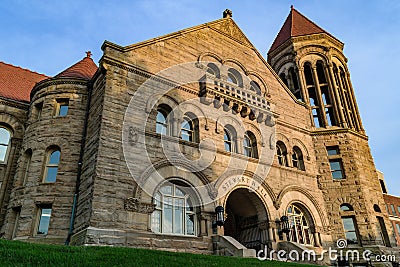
(81,153)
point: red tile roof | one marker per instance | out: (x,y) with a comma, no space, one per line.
(16,83)
(296,24)
(85,69)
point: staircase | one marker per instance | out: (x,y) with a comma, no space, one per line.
(228,246)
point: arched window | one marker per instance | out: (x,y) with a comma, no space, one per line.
(174,211)
(5,138)
(235,77)
(282,153)
(187,130)
(346,207)
(297,159)
(52,162)
(250,145)
(255,87)
(300,231)
(349,223)
(228,141)
(162,120)
(213,70)
(283,78)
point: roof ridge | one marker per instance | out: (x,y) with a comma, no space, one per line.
(25,69)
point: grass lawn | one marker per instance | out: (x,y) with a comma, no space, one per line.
(15,253)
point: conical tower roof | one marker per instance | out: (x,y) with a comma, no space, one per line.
(85,69)
(296,24)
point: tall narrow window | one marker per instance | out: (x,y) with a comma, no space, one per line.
(52,166)
(163,120)
(255,87)
(350,230)
(62,107)
(17,213)
(187,131)
(228,141)
(250,145)
(336,168)
(282,154)
(5,138)
(297,159)
(44,220)
(335,162)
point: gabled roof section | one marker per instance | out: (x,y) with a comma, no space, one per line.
(84,69)
(225,26)
(296,24)
(16,83)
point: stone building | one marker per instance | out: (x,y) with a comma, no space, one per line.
(141,150)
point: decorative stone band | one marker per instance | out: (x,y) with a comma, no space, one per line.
(133,204)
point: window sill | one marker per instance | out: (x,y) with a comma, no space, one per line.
(176,235)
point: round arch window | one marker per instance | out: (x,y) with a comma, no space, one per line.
(299,224)
(174,211)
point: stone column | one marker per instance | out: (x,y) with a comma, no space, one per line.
(316,239)
(345,104)
(319,95)
(303,86)
(339,106)
(354,104)
(238,141)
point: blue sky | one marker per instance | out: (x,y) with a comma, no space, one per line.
(49,36)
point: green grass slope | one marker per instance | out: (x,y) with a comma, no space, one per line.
(15,253)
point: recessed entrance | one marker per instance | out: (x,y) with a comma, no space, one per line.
(246,219)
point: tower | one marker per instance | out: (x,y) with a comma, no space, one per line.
(311,63)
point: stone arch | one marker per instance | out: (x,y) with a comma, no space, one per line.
(165,169)
(14,124)
(229,119)
(283,138)
(312,58)
(264,189)
(237,63)
(345,200)
(202,57)
(255,130)
(154,99)
(300,144)
(261,81)
(299,194)
(187,107)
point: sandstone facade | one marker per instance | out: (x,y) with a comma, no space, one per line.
(296,147)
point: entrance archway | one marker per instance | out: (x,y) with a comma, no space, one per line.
(246,219)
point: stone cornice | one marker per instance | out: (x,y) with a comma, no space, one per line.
(56,81)
(14,103)
(338,130)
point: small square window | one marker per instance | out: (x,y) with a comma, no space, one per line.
(336,169)
(332,150)
(44,220)
(62,107)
